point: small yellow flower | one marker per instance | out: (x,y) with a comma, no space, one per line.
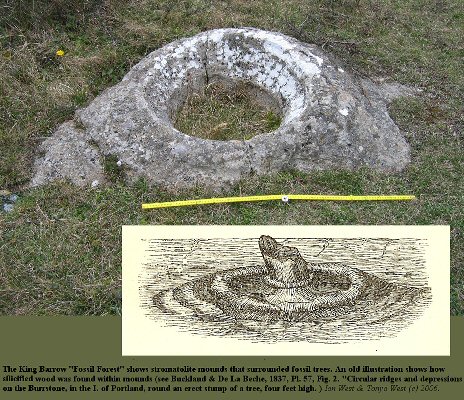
(60,53)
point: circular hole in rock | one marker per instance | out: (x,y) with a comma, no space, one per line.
(226,109)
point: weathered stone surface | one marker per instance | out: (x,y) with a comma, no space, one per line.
(331,119)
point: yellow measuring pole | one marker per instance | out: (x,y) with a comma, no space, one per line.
(283,198)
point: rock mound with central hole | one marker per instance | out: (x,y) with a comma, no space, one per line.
(330,118)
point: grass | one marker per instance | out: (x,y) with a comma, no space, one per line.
(60,247)
(113,171)
(223,113)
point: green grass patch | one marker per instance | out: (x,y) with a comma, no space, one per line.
(225,113)
(113,168)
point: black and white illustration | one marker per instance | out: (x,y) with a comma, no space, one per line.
(265,287)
